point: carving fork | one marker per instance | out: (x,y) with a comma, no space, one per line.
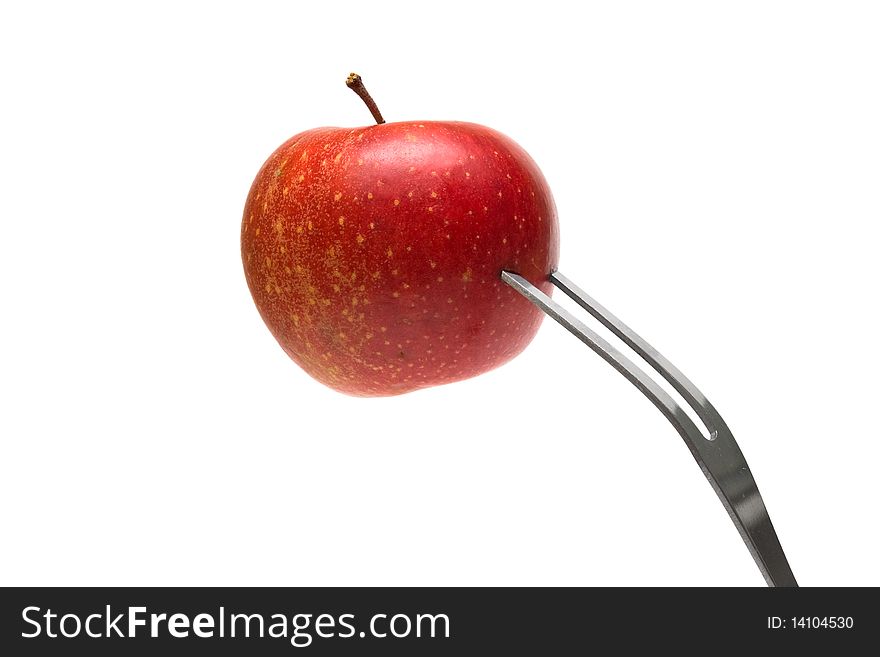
(719,457)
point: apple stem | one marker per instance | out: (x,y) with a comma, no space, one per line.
(356,84)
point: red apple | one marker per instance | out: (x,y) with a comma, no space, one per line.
(374,254)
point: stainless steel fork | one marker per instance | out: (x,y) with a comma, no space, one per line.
(719,457)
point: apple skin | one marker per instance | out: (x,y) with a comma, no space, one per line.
(374,254)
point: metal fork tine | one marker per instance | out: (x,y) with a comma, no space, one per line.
(704,410)
(719,457)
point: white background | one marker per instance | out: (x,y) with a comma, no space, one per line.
(716,171)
